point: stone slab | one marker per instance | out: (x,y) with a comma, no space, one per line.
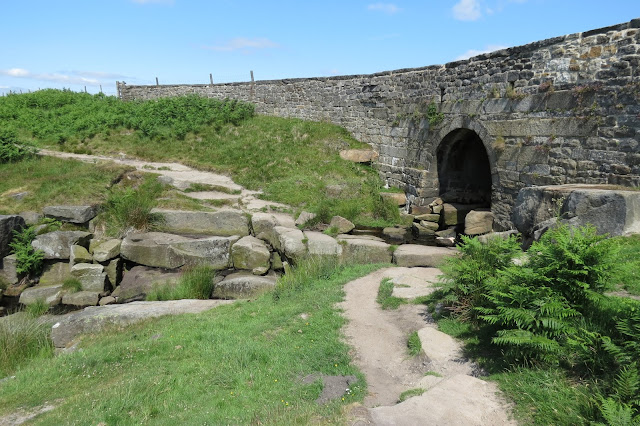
(411,255)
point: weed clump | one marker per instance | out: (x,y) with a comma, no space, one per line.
(22,338)
(195,283)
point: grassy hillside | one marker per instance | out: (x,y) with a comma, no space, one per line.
(293,161)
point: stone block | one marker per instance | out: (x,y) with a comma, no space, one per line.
(243,285)
(251,253)
(8,269)
(8,223)
(55,273)
(91,276)
(223,223)
(57,245)
(140,280)
(79,254)
(411,255)
(478,222)
(71,214)
(106,250)
(51,295)
(343,225)
(81,298)
(360,250)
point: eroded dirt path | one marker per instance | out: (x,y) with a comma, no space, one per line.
(452,394)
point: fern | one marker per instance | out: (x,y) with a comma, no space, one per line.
(616,413)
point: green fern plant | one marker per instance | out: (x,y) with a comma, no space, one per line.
(29,260)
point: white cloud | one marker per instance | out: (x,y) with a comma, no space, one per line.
(98,74)
(467,10)
(473,52)
(242,43)
(388,8)
(87,78)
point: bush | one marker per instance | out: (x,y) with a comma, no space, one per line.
(11,150)
(29,260)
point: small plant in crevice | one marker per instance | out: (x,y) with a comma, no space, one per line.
(514,94)
(546,87)
(196,283)
(410,393)
(72,285)
(37,308)
(29,260)
(414,345)
(433,115)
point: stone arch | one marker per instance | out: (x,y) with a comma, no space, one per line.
(466,166)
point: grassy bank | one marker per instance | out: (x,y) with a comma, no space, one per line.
(237,364)
(293,161)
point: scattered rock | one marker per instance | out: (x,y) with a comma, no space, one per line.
(71,214)
(478,222)
(81,298)
(304,218)
(51,295)
(264,224)
(343,225)
(397,198)
(455,213)
(433,226)
(447,233)
(106,250)
(96,318)
(445,241)
(359,155)
(397,234)
(411,255)
(291,242)
(114,272)
(8,271)
(31,218)
(422,234)
(140,280)
(8,223)
(108,300)
(57,245)
(251,253)
(91,276)
(243,285)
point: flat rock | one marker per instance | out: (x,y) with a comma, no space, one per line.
(81,298)
(96,318)
(51,295)
(359,155)
(478,222)
(439,347)
(397,234)
(359,237)
(8,223)
(92,276)
(428,217)
(304,217)
(211,251)
(264,223)
(341,224)
(79,254)
(57,244)
(432,226)
(251,253)
(319,244)
(140,280)
(396,198)
(224,222)
(417,282)
(243,285)
(71,214)
(365,251)
(291,242)
(106,250)
(411,255)
(8,272)
(423,234)
(153,249)
(31,217)
(455,213)
(460,400)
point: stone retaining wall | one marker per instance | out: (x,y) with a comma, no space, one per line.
(562,110)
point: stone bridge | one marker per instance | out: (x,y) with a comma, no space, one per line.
(558,111)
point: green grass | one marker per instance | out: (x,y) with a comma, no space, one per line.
(37,308)
(385,298)
(195,283)
(410,393)
(50,181)
(627,270)
(72,285)
(23,337)
(414,345)
(236,364)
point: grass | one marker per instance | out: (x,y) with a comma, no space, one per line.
(385,298)
(72,285)
(410,393)
(195,283)
(627,269)
(37,308)
(236,364)
(414,344)
(22,338)
(53,181)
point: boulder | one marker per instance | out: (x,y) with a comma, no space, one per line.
(359,250)
(223,223)
(396,198)
(79,254)
(106,250)
(445,241)
(359,155)
(96,318)
(31,218)
(109,300)
(490,236)
(291,242)
(251,253)
(153,249)
(433,226)
(478,222)
(71,214)
(55,273)
(212,251)
(92,276)
(304,218)
(81,298)
(611,210)
(264,223)
(422,234)
(319,244)
(114,272)
(276,261)
(429,217)
(8,271)
(341,224)
(455,213)
(447,233)
(8,223)
(397,234)
(51,295)
(243,285)
(57,244)
(140,280)
(411,255)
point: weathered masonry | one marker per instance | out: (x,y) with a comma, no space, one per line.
(563,110)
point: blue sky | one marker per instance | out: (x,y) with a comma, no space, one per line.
(78,43)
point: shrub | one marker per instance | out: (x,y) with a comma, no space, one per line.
(22,338)
(29,260)
(11,150)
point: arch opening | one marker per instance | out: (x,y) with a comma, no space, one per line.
(464,171)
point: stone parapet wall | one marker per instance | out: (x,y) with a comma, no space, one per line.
(562,110)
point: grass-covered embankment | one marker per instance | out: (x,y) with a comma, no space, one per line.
(236,364)
(293,161)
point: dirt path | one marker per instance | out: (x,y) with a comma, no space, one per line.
(181,177)
(453,396)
